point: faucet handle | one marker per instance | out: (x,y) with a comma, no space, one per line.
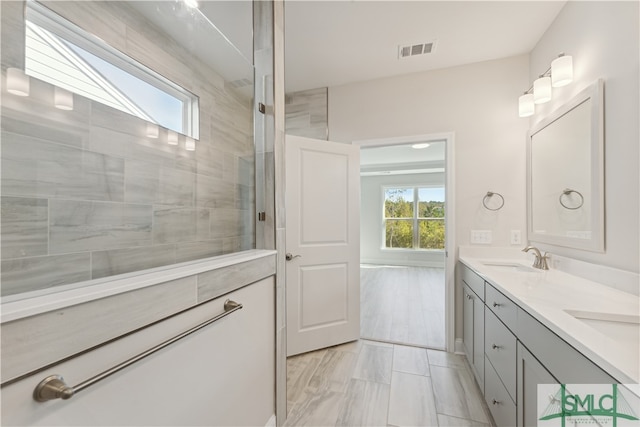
(544,265)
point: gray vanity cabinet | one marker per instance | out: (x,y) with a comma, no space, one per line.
(473,321)
(530,374)
(511,352)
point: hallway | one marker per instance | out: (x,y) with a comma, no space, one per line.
(367,383)
(403,305)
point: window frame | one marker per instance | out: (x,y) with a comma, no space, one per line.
(415,219)
(50,21)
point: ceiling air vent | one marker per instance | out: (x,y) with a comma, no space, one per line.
(415,49)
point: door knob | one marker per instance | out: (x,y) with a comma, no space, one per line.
(288,256)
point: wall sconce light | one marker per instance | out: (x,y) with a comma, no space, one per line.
(560,73)
(190,144)
(172,138)
(17,82)
(542,90)
(152,130)
(526,106)
(561,70)
(62,99)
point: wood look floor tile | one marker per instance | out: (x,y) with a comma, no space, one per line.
(401,304)
(411,402)
(412,360)
(449,397)
(365,404)
(300,369)
(449,360)
(316,408)
(334,371)
(457,394)
(374,364)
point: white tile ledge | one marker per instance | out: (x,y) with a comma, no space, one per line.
(92,290)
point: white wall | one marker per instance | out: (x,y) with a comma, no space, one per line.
(371,227)
(479,103)
(602,37)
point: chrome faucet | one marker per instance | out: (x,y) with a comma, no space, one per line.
(541,260)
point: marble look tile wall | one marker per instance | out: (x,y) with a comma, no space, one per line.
(306,113)
(86,194)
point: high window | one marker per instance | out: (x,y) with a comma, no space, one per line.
(66,56)
(414,218)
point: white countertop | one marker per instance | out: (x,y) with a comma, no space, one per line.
(547,294)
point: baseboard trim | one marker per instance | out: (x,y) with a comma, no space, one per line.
(458,347)
(406,263)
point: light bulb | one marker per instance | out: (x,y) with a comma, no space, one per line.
(542,90)
(562,71)
(152,130)
(526,107)
(191,3)
(172,138)
(190,144)
(17,82)
(62,99)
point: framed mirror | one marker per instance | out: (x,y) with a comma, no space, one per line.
(565,174)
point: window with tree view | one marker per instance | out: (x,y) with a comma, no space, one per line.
(414,217)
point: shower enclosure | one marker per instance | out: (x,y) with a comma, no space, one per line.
(127,139)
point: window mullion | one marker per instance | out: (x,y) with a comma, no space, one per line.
(415,219)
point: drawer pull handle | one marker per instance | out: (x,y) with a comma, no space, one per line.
(496,347)
(495,304)
(468,296)
(496,402)
(54,387)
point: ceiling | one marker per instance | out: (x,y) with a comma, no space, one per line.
(402,159)
(330,43)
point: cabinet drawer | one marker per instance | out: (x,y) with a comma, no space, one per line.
(502,306)
(475,282)
(500,349)
(498,400)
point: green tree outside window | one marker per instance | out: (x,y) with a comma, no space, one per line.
(408,228)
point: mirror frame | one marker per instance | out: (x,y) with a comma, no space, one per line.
(595,93)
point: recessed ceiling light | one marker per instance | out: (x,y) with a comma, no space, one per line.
(420,146)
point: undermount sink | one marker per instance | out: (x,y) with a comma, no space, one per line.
(513,267)
(620,327)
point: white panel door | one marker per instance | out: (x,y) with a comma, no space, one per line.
(323,238)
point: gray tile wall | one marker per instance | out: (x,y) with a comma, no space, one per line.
(306,113)
(86,194)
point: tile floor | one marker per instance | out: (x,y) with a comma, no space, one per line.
(404,305)
(368,383)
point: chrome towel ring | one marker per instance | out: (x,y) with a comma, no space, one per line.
(567,192)
(488,197)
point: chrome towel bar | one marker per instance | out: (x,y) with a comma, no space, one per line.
(54,387)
